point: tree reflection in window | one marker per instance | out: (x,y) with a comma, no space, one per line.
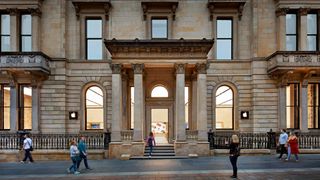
(94,108)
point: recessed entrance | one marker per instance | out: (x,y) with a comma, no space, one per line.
(160,125)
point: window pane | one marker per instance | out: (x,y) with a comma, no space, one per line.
(5,24)
(26,44)
(313,105)
(159,28)
(94,28)
(27,107)
(26,25)
(312,23)
(313,116)
(292,106)
(224,49)
(291,43)
(27,96)
(6,104)
(159,91)
(291,20)
(5,43)
(94,108)
(224,28)
(27,114)
(224,108)
(132,107)
(94,49)
(312,43)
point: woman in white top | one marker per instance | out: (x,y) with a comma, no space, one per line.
(74,153)
(27,144)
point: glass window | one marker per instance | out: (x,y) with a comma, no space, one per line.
(132,107)
(94,108)
(186,106)
(291,32)
(26,33)
(25,107)
(94,39)
(224,108)
(159,91)
(312,29)
(224,39)
(313,106)
(293,106)
(159,28)
(4,107)
(5,32)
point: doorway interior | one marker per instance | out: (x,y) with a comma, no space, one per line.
(160,125)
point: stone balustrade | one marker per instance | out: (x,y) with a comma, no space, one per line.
(192,135)
(126,135)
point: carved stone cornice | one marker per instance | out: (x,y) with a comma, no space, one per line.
(150,6)
(303,11)
(80,5)
(226,4)
(180,68)
(137,68)
(35,12)
(202,68)
(281,11)
(13,11)
(116,68)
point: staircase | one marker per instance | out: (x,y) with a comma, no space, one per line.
(160,152)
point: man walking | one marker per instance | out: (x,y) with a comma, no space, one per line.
(282,142)
(27,146)
(82,147)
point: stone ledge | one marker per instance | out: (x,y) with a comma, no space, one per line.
(125,156)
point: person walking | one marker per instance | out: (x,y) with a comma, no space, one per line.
(151,142)
(82,147)
(293,147)
(27,146)
(234,153)
(282,142)
(74,153)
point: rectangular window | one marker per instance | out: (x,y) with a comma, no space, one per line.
(312,32)
(291,32)
(94,39)
(293,106)
(5,32)
(25,107)
(159,28)
(26,33)
(4,107)
(313,106)
(132,107)
(224,39)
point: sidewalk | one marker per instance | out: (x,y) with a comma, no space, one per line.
(250,167)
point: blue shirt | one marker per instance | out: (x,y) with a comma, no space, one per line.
(283,138)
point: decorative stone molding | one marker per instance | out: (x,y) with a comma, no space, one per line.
(166,7)
(304,11)
(281,11)
(180,68)
(304,83)
(80,5)
(226,4)
(138,68)
(302,58)
(13,11)
(116,68)
(35,12)
(202,68)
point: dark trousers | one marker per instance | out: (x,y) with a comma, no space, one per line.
(84,159)
(233,160)
(151,148)
(283,150)
(27,155)
(73,167)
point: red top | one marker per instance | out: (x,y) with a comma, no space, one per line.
(293,142)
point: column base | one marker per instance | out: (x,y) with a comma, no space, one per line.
(116,149)
(186,148)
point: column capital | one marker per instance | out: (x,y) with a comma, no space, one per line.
(138,68)
(281,11)
(35,12)
(180,68)
(116,68)
(303,11)
(13,11)
(304,83)
(35,84)
(202,68)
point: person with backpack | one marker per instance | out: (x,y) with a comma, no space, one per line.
(27,146)
(150,142)
(234,153)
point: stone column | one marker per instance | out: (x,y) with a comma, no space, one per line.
(125,104)
(179,103)
(304,107)
(282,106)
(303,42)
(202,102)
(35,106)
(13,107)
(281,23)
(116,103)
(36,13)
(138,102)
(194,102)
(14,38)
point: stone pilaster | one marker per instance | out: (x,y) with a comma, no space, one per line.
(36,14)
(194,102)
(179,103)
(303,42)
(202,102)
(304,107)
(282,106)
(116,103)
(35,106)
(14,38)
(281,23)
(125,102)
(138,102)
(13,107)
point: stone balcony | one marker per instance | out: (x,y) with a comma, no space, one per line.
(282,62)
(36,63)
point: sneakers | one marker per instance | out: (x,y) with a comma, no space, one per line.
(297,160)
(233,176)
(286,159)
(149,156)
(88,169)
(77,172)
(22,162)
(68,171)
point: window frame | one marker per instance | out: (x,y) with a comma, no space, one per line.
(21,106)
(317,31)
(4,35)
(87,39)
(231,38)
(316,108)
(24,35)
(85,109)
(297,113)
(151,27)
(232,108)
(297,30)
(2,120)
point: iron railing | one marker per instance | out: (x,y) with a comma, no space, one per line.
(54,141)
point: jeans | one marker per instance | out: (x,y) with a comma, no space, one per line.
(74,164)
(289,154)
(27,155)
(151,148)
(233,160)
(84,159)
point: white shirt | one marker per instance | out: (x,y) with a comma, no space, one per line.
(27,143)
(283,138)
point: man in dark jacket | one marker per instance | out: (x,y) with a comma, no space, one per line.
(82,147)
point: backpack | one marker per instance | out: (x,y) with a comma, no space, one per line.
(150,141)
(237,151)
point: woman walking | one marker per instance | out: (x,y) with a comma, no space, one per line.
(74,153)
(150,142)
(234,153)
(293,147)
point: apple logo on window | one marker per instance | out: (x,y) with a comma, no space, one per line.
(73,115)
(244,114)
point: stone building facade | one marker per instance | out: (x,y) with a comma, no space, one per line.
(247,65)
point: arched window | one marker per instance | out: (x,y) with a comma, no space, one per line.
(159,91)
(224,108)
(94,108)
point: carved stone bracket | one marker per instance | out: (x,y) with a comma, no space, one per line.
(83,4)
(13,11)
(202,68)
(138,68)
(281,11)
(116,68)
(231,4)
(35,12)
(170,7)
(304,11)
(180,68)
(304,83)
